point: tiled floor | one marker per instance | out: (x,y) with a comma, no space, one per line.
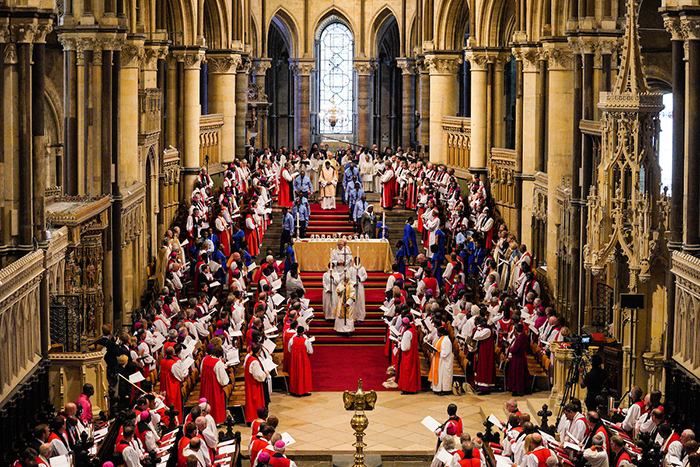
(320,424)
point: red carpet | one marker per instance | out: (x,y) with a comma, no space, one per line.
(338,367)
(340,209)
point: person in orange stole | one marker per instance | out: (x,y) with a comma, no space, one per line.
(214,378)
(300,368)
(388,180)
(254,377)
(286,194)
(408,369)
(172,372)
(484,364)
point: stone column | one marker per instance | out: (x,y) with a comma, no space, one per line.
(24,34)
(499,102)
(408,73)
(241,105)
(222,79)
(260,67)
(424,98)
(479,105)
(131,55)
(95,129)
(171,93)
(560,115)
(70,128)
(38,132)
(528,58)
(691,227)
(302,74)
(84,164)
(444,99)
(192,59)
(673,26)
(364,70)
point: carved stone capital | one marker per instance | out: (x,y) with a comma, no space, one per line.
(244,65)
(302,67)
(407,65)
(4,30)
(690,25)
(443,64)
(43,29)
(192,59)
(673,26)
(558,57)
(132,55)
(530,56)
(24,32)
(153,53)
(112,43)
(260,66)
(68,42)
(478,60)
(223,63)
(97,56)
(364,67)
(81,45)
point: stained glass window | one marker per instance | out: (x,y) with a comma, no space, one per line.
(336,79)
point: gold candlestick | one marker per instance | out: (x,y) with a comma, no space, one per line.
(359,401)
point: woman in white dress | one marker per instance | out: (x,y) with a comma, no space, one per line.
(358,275)
(431,222)
(344,319)
(329,179)
(314,171)
(378,172)
(367,172)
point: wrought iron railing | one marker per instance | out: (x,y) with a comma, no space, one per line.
(66,322)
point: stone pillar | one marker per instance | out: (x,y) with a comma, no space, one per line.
(479,106)
(408,73)
(25,36)
(84,164)
(192,59)
(302,75)
(364,107)
(424,97)
(171,93)
(131,56)
(222,79)
(561,362)
(260,67)
(673,26)
(528,58)
(560,113)
(444,99)
(94,103)
(499,102)
(691,227)
(242,105)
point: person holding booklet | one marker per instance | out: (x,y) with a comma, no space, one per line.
(255,388)
(441,367)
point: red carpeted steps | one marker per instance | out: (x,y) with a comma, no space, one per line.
(373,329)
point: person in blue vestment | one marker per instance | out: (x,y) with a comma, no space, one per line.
(409,240)
(401,256)
(302,184)
(358,210)
(289,258)
(350,176)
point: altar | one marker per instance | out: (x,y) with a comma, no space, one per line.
(313,255)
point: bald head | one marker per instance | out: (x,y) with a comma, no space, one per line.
(201,423)
(46,450)
(195,443)
(536,439)
(71,409)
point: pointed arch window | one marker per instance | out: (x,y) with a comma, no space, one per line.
(335,79)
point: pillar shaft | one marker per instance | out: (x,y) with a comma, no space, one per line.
(364,83)
(38,142)
(241,106)
(479,107)
(444,100)
(303,68)
(192,60)
(407,101)
(128,166)
(691,230)
(222,79)
(24,71)
(260,67)
(171,94)
(424,138)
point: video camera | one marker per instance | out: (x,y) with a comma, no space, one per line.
(579,343)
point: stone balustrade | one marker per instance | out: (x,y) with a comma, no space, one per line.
(457,134)
(210,140)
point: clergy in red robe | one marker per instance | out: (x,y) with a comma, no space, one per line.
(286,194)
(388,181)
(190,432)
(484,364)
(518,377)
(288,333)
(254,377)
(408,369)
(172,372)
(214,378)
(300,366)
(251,235)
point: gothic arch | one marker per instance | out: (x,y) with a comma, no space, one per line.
(178,21)
(216,24)
(333,12)
(411,41)
(451,23)
(288,28)
(253,36)
(381,21)
(496,25)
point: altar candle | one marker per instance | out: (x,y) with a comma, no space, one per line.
(383,224)
(298,231)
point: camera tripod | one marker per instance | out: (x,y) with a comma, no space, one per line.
(578,361)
